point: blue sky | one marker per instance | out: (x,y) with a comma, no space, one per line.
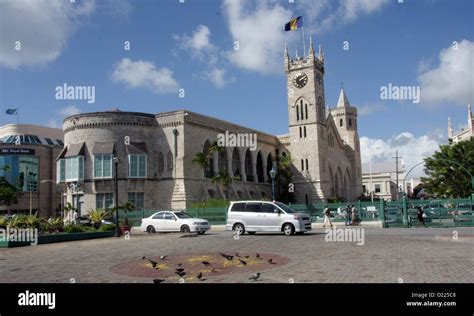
(191,46)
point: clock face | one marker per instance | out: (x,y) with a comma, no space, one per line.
(300,80)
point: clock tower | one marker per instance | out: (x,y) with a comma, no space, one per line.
(307,122)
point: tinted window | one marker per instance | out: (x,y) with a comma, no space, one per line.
(268,208)
(251,207)
(49,141)
(169,216)
(159,216)
(238,207)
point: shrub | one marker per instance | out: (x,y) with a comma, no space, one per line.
(74,228)
(52,226)
(97,216)
(3,222)
(106,227)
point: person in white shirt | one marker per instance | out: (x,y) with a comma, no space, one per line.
(327,215)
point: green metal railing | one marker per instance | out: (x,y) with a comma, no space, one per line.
(402,213)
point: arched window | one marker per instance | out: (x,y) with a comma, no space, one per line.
(301,134)
(340,122)
(169,161)
(297,112)
(302,164)
(306,110)
(161,164)
(301,110)
(304,130)
(350,122)
(307,167)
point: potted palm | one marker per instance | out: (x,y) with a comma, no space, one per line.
(125,225)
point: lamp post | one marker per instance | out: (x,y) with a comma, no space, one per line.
(273,173)
(117,232)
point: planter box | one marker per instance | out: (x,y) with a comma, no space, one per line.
(11,244)
(61,237)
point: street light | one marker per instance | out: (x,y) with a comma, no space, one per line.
(273,173)
(117,232)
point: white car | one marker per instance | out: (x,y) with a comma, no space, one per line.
(166,221)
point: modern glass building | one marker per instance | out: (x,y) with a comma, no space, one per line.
(28,165)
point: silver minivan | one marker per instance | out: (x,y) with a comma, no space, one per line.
(264,216)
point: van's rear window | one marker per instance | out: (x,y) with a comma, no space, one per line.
(238,207)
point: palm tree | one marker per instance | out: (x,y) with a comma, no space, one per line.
(127,207)
(224,180)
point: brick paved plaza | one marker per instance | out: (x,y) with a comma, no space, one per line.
(388,255)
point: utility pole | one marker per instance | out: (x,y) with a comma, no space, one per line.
(396,169)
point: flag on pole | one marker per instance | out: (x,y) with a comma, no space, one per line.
(11,111)
(294,24)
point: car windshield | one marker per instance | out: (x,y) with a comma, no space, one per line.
(183,215)
(285,207)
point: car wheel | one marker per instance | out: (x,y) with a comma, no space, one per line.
(288,229)
(150,230)
(251,233)
(201,233)
(239,229)
(185,229)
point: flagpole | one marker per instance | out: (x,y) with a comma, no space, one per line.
(17,116)
(304,44)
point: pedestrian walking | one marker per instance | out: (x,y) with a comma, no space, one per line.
(348,220)
(421,216)
(327,217)
(354,219)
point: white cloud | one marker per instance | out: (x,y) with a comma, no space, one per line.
(144,74)
(413,149)
(199,46)
(43,28)
(69,110)
(53,124)
(452,80)
(258,28)
(117,8)
(198,42)
(219,77)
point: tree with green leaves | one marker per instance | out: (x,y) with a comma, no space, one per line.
(8,192)
(224,180)
(127,207)
(448,170)
(283,179)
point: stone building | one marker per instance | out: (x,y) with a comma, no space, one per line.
(156,152)
(28,162)
(463,134)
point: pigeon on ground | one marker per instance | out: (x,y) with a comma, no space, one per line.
(214,270)
(163,257)
(237,254)
(270,261)
(243,262)
(181,274)
(153,263)
(179,269)
(158,281)
(199,276)
(258,256)
(255,276)
(205,263)
(226,256)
